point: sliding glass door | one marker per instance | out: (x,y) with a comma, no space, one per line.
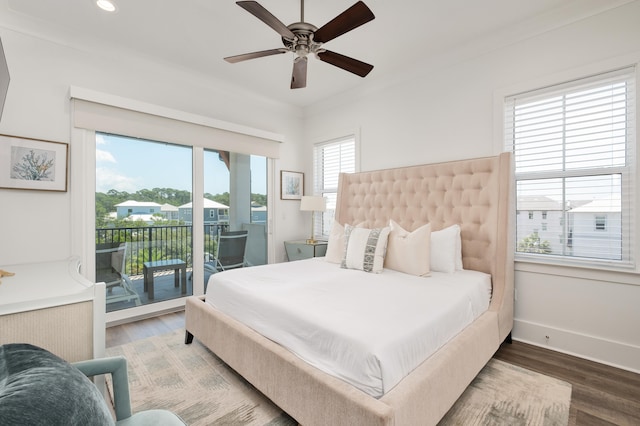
(146,223)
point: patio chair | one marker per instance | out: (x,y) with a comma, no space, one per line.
(110,267)
(229,252)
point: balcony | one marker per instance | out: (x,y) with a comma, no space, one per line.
(155,243)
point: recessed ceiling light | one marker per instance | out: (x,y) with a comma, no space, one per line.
(106,5)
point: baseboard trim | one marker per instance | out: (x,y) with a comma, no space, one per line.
(608,352)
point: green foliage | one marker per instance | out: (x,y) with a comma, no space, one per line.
(223,198)
(533,244)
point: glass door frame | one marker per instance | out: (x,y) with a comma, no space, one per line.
(83,216)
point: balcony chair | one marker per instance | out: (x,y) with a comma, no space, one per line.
(39,388)
(230,252)
(110,266)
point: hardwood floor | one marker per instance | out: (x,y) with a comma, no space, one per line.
(601,395)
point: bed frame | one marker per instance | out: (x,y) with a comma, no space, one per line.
(476,194)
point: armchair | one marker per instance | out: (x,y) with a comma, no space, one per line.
(39,388)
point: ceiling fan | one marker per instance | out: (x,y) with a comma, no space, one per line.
(303,38)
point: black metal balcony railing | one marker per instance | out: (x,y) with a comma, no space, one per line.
(157,243)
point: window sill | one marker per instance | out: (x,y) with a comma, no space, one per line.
(622,275)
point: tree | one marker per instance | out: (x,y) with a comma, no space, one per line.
(532,244)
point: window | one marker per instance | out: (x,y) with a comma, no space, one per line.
(574,156)
(330,159)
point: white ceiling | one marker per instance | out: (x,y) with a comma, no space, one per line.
(197,34)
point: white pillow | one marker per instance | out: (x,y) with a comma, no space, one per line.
(446,253)
(365,248)
(335,244)
(408,252)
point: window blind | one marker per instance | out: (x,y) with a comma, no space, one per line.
(123,121)
(330,159)
(574,156)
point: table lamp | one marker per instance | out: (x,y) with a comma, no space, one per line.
(312,204)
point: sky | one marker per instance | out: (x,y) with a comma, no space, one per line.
(129,164)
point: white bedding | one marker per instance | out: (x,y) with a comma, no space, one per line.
(370,330)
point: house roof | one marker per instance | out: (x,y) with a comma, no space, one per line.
(208,204)
(605,205)
(168,208)
(132,203)
(538,203)
(143,217)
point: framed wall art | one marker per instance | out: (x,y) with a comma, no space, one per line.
(291,185)
(33,164)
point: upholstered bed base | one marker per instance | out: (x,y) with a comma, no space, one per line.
(316,398)
(472,193)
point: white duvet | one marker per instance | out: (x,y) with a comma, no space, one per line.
(370,330)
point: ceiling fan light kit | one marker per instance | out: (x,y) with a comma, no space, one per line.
(303,38)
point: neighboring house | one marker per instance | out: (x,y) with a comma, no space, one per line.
(541,215)
(258,213)
(169,211)
(596,228)
(214,212)
(130,207)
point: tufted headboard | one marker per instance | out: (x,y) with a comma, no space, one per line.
(476,194)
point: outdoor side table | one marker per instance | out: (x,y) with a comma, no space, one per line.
(180,274)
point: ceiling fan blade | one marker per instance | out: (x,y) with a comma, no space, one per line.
(254,55)
(356,15)
(299,75)
(254,8)
(346,63)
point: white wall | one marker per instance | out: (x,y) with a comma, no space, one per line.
(452,110)
(37,226)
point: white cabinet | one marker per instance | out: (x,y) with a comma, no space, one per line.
(51,305)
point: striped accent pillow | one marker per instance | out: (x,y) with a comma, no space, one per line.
(365,248)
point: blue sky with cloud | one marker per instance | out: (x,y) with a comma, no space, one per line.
(129,164)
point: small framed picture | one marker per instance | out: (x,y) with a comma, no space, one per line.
(33,164)
(291,185)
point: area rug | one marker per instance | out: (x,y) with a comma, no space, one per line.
(194,383)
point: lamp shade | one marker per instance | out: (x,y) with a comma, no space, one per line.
(310,203)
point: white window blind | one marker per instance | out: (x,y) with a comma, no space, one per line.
(574,156)
(329,160)
(122,121)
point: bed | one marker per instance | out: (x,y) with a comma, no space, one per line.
(473,194)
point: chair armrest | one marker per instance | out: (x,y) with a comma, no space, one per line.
(117,367)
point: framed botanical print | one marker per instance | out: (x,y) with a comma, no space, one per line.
(33,164)
(291,185)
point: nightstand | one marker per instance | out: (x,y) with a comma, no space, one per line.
(298,250)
